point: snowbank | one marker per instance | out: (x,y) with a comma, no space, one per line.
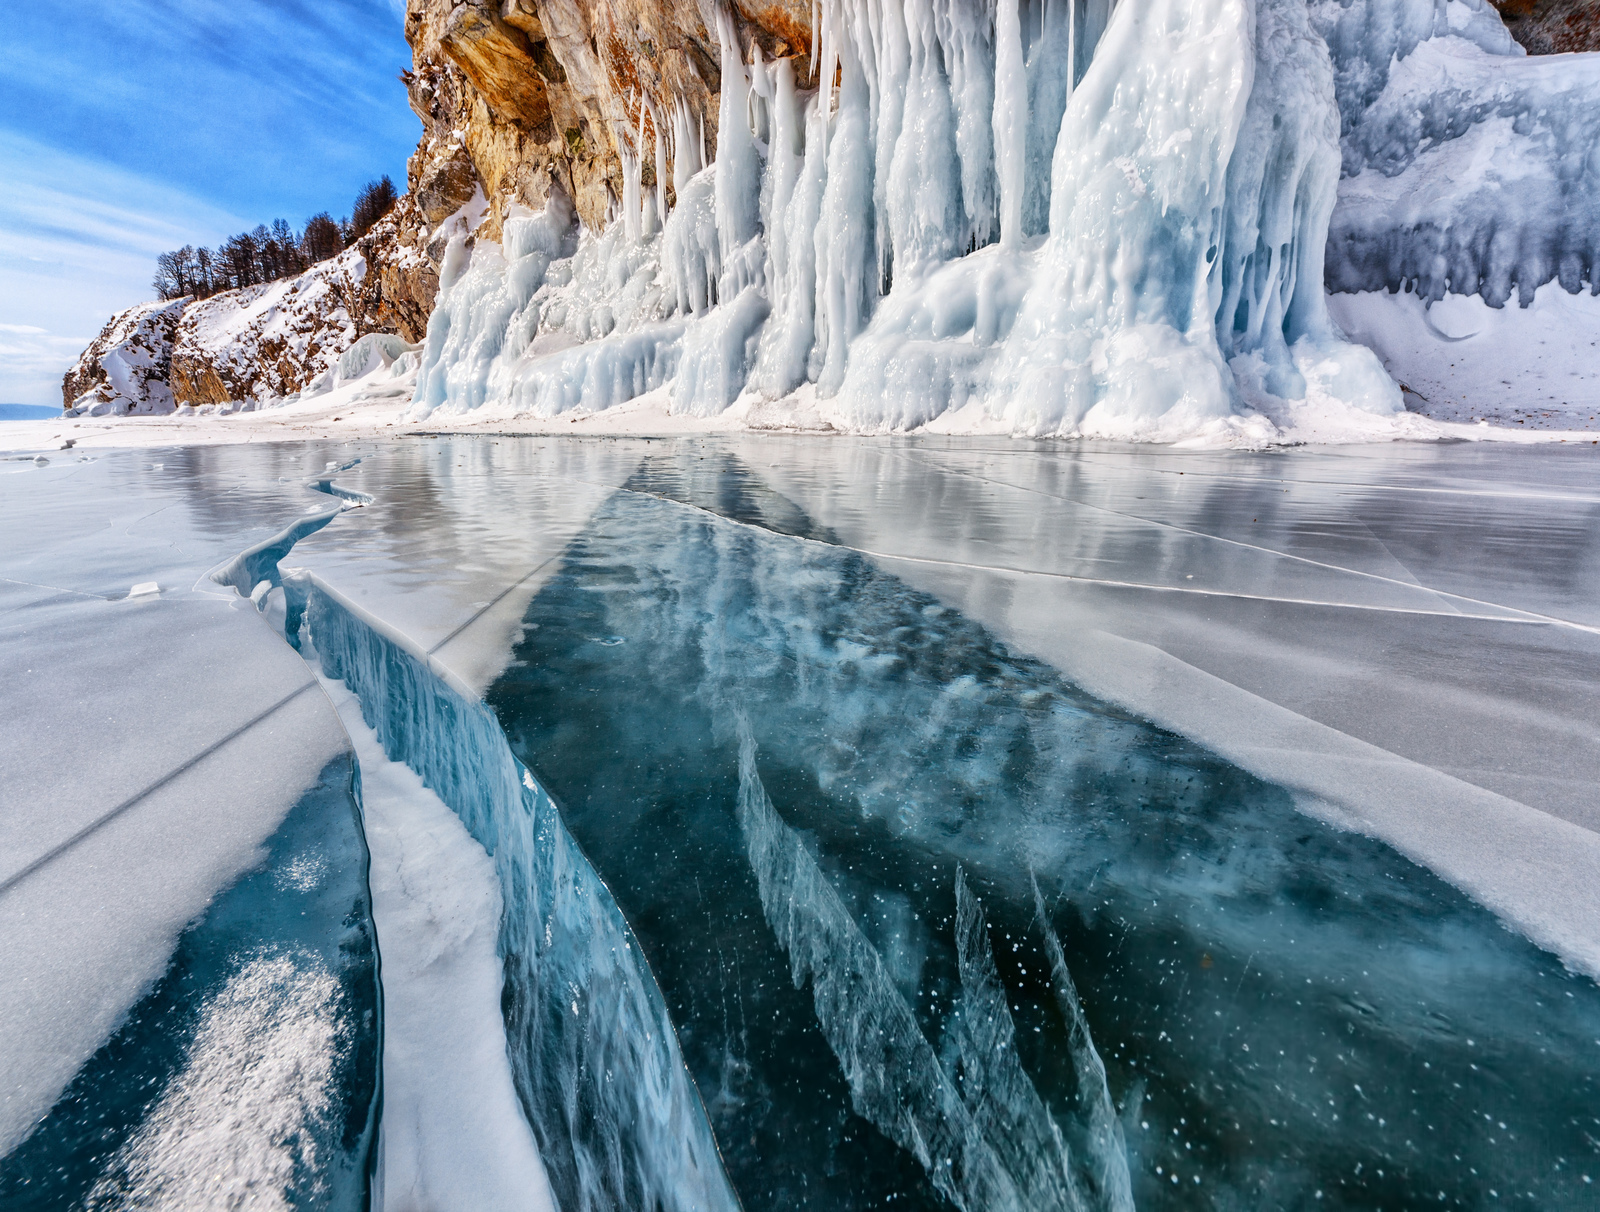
(1462,360)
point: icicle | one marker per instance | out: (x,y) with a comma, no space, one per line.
(738,183)
(846,282)
(661,163)
(1010,120)
(631,209)
(893,62)
(1072,47)
(1049,85)
(688,153)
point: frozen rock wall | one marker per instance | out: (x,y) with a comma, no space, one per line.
(1037,223)
(1467,163)
(1013,216)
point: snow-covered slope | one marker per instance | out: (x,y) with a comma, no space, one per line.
(259,345)
(265,342)
(125,370)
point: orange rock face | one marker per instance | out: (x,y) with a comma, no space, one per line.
(548,93)
(1552,27)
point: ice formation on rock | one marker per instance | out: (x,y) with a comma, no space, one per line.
(1065,217)
(1469,166)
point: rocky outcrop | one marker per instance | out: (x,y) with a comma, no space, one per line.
(266,342)
(546,94)
(396,293)
(125,369)
(1552,27)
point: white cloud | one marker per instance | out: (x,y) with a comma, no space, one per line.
(78,242)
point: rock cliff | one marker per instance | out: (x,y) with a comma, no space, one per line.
(260,343)
(530,95)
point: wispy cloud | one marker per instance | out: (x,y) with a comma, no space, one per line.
(78,241)
(267,107)
(139,126)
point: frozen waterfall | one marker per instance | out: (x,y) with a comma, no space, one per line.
(1052,217)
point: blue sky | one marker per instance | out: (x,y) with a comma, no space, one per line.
(129,127)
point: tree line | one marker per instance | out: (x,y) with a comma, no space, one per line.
(269,253)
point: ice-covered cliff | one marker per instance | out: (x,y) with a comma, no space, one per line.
(1064,218)
(1045,217)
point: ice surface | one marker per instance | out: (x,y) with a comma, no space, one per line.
(174,780)
(1113,786)
(1258,608)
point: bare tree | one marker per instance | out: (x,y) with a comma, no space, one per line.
(239,260)
(170,282)
(268,253)
(322,238)
(373,202)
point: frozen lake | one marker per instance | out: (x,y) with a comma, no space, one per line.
(801,822)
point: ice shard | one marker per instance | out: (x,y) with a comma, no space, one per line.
(594,1054)
(971,1117)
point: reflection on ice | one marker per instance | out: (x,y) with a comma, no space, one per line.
(796,768)
(247,1076)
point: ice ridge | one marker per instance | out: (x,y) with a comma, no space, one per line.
(972,1117)
(595,1059)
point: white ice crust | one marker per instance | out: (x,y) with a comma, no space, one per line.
(452,1134)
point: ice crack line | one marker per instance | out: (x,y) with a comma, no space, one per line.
(1512,615)
(1526,615)
(97,597)
(495,601)
(101,822)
